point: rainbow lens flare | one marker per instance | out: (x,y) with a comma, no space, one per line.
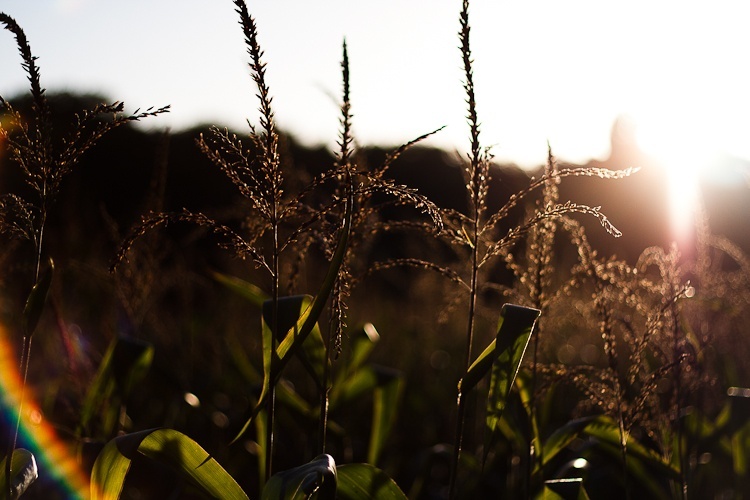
(55,458)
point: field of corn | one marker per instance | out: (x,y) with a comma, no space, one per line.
(278,323)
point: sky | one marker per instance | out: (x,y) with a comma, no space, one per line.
(545,70)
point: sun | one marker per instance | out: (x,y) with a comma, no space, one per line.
(680,147)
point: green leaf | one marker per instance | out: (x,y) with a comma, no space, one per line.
(364,481)
(285,393)
(261,423)
(516,323)
(32,311)
(740,442)
(361,381)
(514,333)
(355,378)
(313,351)
(565,489)
(168,447)
(131,361)
(305,324)
(124,365)
(23,472)
(317,476)
(645,466)
(109,471)
(242,362)
(562,437)
(361,342)
(243,288)
(385,403)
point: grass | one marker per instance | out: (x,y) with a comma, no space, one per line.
(270,376)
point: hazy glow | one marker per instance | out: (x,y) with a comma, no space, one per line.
(687,153)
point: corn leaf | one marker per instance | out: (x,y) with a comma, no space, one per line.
(243,288)
(514,332)
(513,335)
(124,365)
(645,466)
(23,472)
(131,361)
(355,378)
(32,311)
(364,481)
(386,398)
(304,325)
(300,483)
(565,489)
(360,382)
(313,351)
(362,343)
(562,437)
(168,447)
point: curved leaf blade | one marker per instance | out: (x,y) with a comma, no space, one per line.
(243,288)
(386,397)
(124,365)
(32,311)
(514,332)
(562,437)
(313,351)
(108,474)
(318,476)
(168,447)
(364,481)
(23,472)
(565,489)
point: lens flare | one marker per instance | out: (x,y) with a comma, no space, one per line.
(55,458)
(685,154)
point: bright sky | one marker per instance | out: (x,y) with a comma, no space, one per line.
(544,69)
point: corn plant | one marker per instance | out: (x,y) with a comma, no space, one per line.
(45,160)
(477,231)
(279,221)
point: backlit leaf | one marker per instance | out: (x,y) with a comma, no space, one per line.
(243,288)
(32,311)
(366,482)
(124,365)
(300,483)
(386,398)
(170,448)
(565,489)
(23,472)
(514,333)
(313,351)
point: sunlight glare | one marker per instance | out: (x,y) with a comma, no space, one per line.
(686,154)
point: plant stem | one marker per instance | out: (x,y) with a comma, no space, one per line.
(26,349)
(623,439)
(324,392)
(532,419)
(271,401)
(323,424)
(477,182)
(25,354)
(460,405)
(678,401)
